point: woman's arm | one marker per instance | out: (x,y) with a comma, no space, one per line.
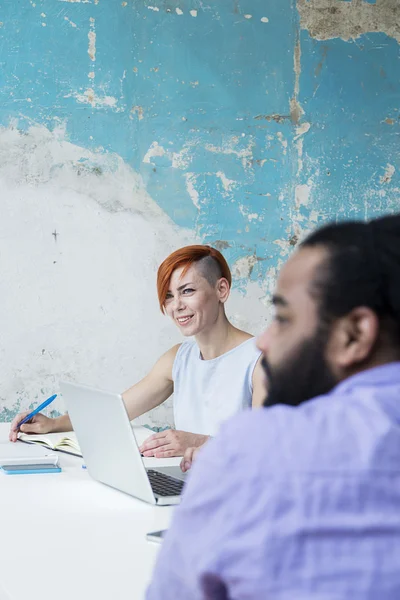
(38,424)
(152,390)
(259,387)
(148,393)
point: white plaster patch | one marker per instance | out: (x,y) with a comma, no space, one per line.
(248,16)
(154,150)
(230,146)
(299,142)
(283,142)
(226,183)
(90,97)
(182,159)
(296,110)
(193,13)
(110,236)
(92,41)
(155,8)
(253,216)
(300,224)
(264,20)
(270,284)
(179,11)
(191,190)
(248,215)
(302,129)
(70,22)
(387,176)
(179,160)
(138,110)
(283,245)
(251,311)
(349,20)
(302,195)
(300,148)
(243,266)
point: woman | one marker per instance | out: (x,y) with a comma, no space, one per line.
(212,377)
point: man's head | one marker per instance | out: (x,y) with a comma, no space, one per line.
(337,306)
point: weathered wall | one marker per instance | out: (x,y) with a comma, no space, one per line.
(130,128)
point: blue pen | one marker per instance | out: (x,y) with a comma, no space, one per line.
(38,409)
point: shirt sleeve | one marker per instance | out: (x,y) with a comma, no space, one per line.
(188,560)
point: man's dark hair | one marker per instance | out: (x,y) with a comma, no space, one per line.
(362,269)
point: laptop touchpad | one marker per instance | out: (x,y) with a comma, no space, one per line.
(174,472)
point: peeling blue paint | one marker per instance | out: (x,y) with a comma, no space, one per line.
(350,94)
(244,127)
(212,87)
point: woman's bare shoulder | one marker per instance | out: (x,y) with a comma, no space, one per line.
(242,336)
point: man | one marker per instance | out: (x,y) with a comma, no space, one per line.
(301,499)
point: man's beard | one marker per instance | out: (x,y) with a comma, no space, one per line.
(305,374)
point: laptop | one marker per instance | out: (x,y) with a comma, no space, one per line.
(110,450)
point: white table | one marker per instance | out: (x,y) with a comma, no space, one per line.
(67,537)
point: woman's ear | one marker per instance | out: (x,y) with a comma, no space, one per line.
(223,289)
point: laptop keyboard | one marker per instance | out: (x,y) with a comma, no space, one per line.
(164,485)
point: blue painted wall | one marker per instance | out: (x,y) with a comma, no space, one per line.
(224,110)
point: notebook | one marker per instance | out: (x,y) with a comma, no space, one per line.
(68,443)
(54,441)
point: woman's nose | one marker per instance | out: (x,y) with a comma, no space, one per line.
(177,303)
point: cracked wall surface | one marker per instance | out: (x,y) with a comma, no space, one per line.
(128,129)
(327,19)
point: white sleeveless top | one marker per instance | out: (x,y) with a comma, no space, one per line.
(208,392)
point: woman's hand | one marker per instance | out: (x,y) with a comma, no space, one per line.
(38,424)
(171,443)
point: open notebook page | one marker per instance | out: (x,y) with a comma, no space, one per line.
(67,441)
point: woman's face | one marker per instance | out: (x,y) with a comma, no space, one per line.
(192,303)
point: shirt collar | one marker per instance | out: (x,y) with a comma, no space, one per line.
(389,373)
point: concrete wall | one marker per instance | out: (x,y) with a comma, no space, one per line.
(130,128)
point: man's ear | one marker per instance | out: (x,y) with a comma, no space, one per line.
(223,289)
(353,338)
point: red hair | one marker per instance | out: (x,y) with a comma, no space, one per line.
(185,257)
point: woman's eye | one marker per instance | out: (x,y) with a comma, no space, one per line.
(168,297)
(189,290)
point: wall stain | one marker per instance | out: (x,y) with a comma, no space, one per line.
(296,110)
(319,66)
(221,244)
(276,117)
(328,19)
